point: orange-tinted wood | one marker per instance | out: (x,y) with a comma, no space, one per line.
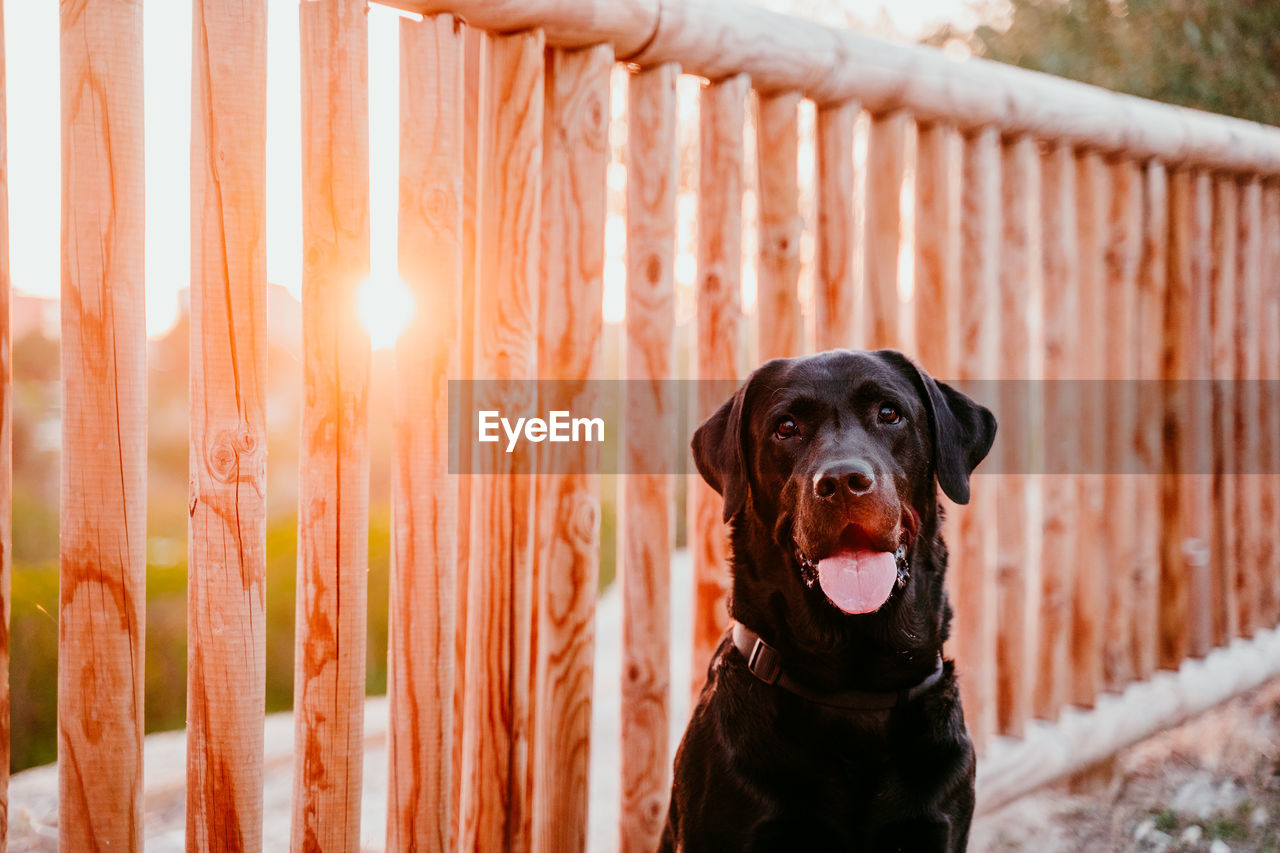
(1148,431)
(575,157)
(1020,196)
(333,493)
(886,152)
(1058,490)
(226,640)
(423,598)
(719,341)
(936,245)
(835,313)
(496,737)
(1088,597)
(647,518)
(1251,540)
(971,572)
(1123,252)
(104,430)
(781,327)
(1196,452)
(1268,340)
(1223,557)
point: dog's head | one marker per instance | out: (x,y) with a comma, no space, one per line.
(836,455)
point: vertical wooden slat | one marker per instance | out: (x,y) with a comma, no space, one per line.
(1252,539)
(835,314)
(646,526)
(495,751)
(333,492)
(473,47)
(886,152)
(421,627)
(1197,478)
(719,339)
(1268,340)
(1148,431)
(781,327)
(1223,558)
(1122,254)
(972,572)
(575,158)
(935,262)
(1058,489)
(1088,606)
(6,454)
(226,640)
(104,411)
(1020,180)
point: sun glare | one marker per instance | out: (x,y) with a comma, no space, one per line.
(385,307)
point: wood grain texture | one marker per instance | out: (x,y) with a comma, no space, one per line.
(424,497)
(1251,539)
(779,320)
(834,307)
(1020,208)
(575,157)
(1122,255)
(647,508)
(495,750)
(719,329)
(1223,284)
(6,454)
(226,549)
(1196,452)
(333,486)
(886,155)
(936,249)
(1058,490)
(104,433)
(971,571)
(1088,599)
(1148,432)
(473,47)
(1268,339)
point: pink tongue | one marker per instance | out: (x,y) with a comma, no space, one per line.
(858,581)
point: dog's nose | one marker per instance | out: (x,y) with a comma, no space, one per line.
(846,477)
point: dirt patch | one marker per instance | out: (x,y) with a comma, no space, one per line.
(1212,784)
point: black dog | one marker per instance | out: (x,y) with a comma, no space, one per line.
(829,720)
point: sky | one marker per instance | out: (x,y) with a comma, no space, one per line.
(31,55)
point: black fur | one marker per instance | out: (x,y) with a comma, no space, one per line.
(759,767)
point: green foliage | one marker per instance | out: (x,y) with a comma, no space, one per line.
(1217,55)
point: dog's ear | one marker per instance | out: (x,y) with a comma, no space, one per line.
(963,431)
(718,452)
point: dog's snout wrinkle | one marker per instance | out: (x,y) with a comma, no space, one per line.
(846,478)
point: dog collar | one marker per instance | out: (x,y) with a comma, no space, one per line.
(765,663)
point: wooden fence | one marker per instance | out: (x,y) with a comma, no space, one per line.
(1058,231)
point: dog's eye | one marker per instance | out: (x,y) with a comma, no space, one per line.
(786,428)
(888,414)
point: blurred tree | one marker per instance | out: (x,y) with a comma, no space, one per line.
(1217,55)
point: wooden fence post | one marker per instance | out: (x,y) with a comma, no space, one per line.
(1147,436)
(495,813)
(333,492)
(719,341)
(104,430)
(575,158)
(226,639)
(835,311)
(1058,488)
(1268,341)
(886,143)
(778,317)
(1251,538)
(1224,558)
(423,598)
(936,245)
(1020,195)
(1123,252)
(646,511)
(972,571)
